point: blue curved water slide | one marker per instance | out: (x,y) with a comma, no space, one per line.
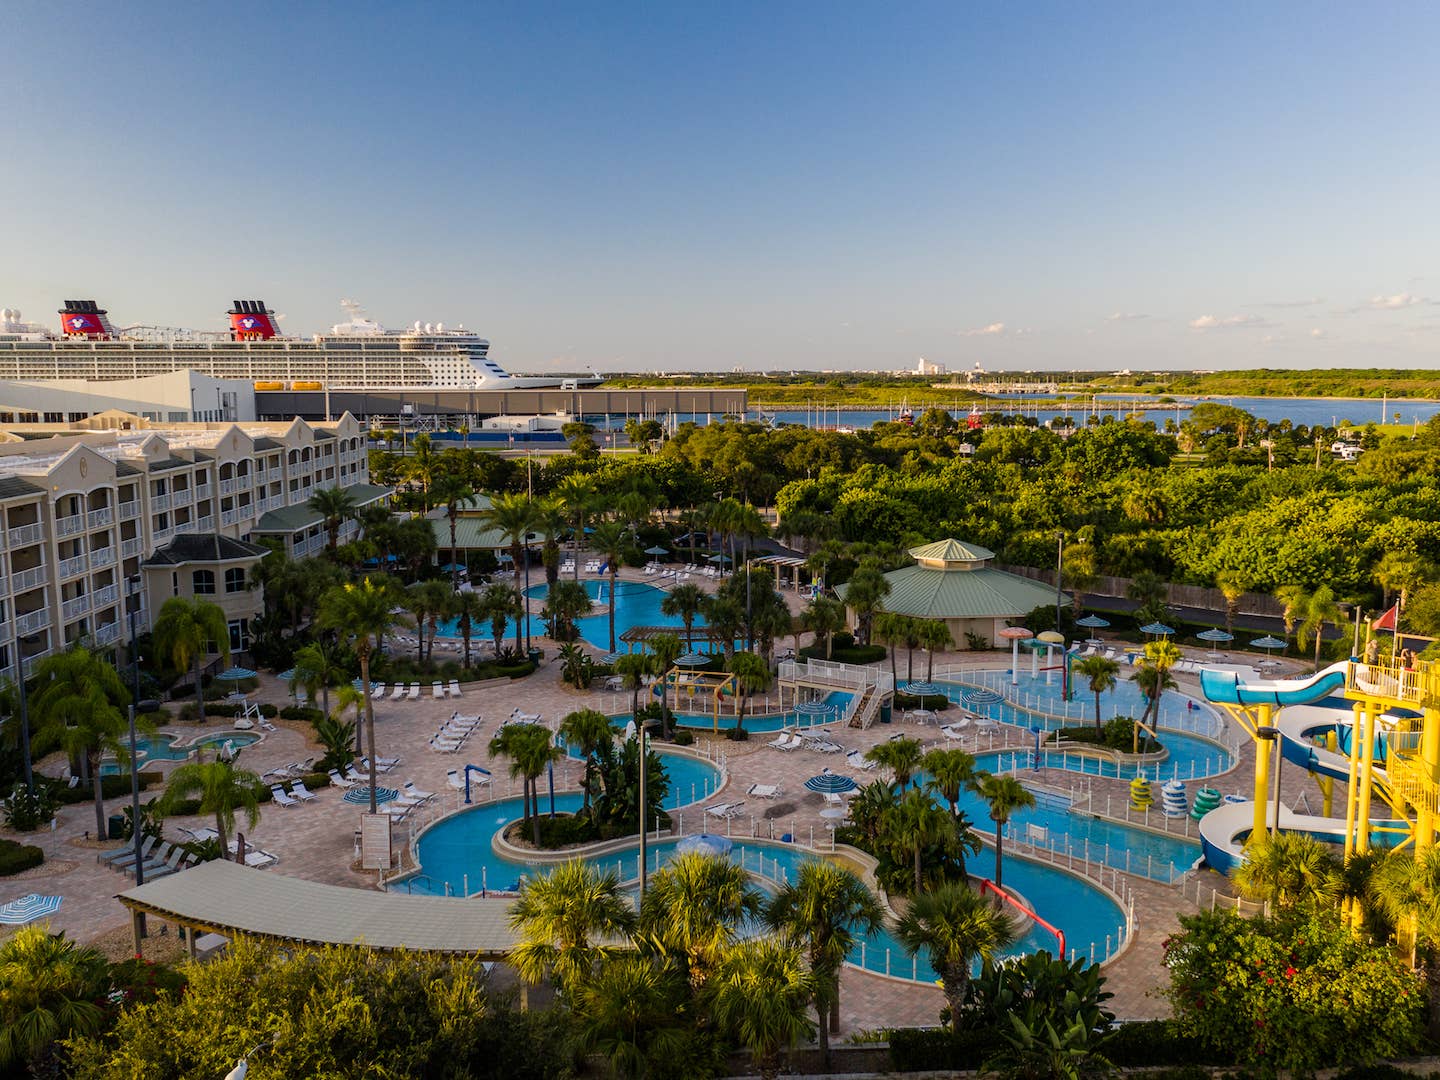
(1225,688)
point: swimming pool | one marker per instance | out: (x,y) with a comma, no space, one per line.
(636,604)
(161,747)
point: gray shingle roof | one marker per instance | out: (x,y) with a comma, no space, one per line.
(204,547)
(12,487)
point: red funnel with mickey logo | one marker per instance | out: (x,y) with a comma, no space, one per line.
(251,320)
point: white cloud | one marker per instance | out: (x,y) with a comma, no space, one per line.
(1396,302)
(984,331)
(1317,333)
(1227,322)
(1312,302)
(1125,316)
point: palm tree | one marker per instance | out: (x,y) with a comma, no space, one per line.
(823,618)
(184,631)
(1400,572)
(438,599)
(77,707)
(933,635)
(632,669)
(453,491)
(759,994)
(551,522)
(513,516)
(531,750)
(1406,889)
(1101,673)
(467,609)
(752,674)
(694,907)
(626,1013)
(900,756)
(565,602)
(361,615)
(500,604)
(318,667)
(558,917)
(869,807)
(889,630)
(576,494)
(612,540)
(865,595)
(421,467)
(222,789)
(52,987)
(1289,870)
(726,618)
(587,730)
(951,772)
(955,926)
(664,649)
(1232,585)
(826,908)
(914,825)
(1005,795)
(336,506)
(1311,610)
(419,601)
(684,602)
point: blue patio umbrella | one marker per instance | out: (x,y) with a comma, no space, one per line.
(362,795)
(693,659)
(607,658)
(450,568)
(286,676)
(1268,642)
(657,550)
(1093,622)
(1158,629)
(1215,634)
(719,559)
(829,783)
(979,696)
(815,708)
(705,844)
(29,908)
(922,689)
(235,674)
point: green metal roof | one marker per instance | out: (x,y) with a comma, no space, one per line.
(951,551)
(300,516)
(929,593)
(470,530)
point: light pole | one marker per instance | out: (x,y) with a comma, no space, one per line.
(24,707)
(526,600)
(1059,567)
(1271,736)
(136,833)
(642,811)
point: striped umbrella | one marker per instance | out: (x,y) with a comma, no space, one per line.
(829,783)
(705,844)
(286,676)
(362,795)
(1268,642)
(922,689)
(1093,622)
(29,908)
(979,696)
(1216,635)
(1158,629)
(693,659)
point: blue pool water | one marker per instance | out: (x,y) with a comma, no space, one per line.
(161,747)
(836,700)
(636,604)
(691,779)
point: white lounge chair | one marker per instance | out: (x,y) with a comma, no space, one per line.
(522,717)
(414,694)
(278,794)
(781,741)
(411,791)
(454,688)
(355,776)
(764,791)
(446,746)
(724,810)
(398,692)
(437,690)
(954,732)
(377,691)
(336,780)
(856,760)
(301,792)
(453,778)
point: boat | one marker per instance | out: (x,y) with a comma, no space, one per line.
(358,354)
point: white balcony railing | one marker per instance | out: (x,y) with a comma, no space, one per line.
(228,487)
(69,526)
(162,534)
(229,517)
(129,511)
(73,609)
(202,491)
(206,523)
(73,567)
(97,519)
(182,498)
(26,534)
(131,547)
(159,502)
(34,622)
(102,557)
(25,580)
(106,596)
(104,635)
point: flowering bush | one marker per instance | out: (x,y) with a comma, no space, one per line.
(1294,994)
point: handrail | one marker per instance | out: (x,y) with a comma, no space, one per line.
(986,885)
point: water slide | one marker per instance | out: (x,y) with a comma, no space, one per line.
(1225,688)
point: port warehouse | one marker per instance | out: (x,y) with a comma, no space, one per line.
(442,406)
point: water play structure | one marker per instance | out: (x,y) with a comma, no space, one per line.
(1375,728)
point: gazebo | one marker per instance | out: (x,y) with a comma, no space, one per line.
(953,582)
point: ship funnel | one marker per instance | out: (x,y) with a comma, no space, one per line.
(251,320)
(85,318)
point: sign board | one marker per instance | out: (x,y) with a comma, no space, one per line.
(375,841)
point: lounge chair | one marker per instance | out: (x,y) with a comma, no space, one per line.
(398,692)
(301,792)
(724,810)
(356,776)
(156,861)
(397,809)
(437,691)
(123,854)
(446,746)
(410,791)
(954,732)
(278,794)
(781,741)
(382,764)
(453,778)
(377,691)
(764,791)
(414,694)
(174,863)
(856,760)
(454,688)
(336,780)
(525,718)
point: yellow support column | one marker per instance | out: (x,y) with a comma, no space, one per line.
(1327,783)
(1352,791)
(1263,749)
(1430,757)
(1367,780)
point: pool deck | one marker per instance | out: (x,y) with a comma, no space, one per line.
(316,841)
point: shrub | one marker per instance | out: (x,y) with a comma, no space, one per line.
(682,737)
(977,642)
(26,810)
(935,1049)
(1146,1043)
(17,857)
(563,830)
(842,639)
(933,702)
(138,981)
(111,787)
(737,734)
(303,713)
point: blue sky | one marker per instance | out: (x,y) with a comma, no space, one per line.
(770,185)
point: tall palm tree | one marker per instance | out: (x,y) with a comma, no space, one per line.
(336,506)
(632,669)
(453,491)
(531,751)
(513,516)
(900,756)
(752,675)
(823,618)
(1004,795)
(577,495)
(664,650)
(77,707)
(725,617)
(565,603)
(889,630)
(865,595)
(52,987)
(914,825)
(439,599)
(612,540)
(626,1014)
(361,615)
(420,602)
(683,602)
(318,667)
(587,730)
(500,604)
(826,909)
(184,630)
(1289,870)
(550,522)
(1152,676)
(1312,611)
(467,609)
(1406,889)
(759,994)
(693,910)
(1399,572)
(1101,674)
(934,636)
(1232,585)
(951,772)
(421,467)
(222,789)
(955,926)
(559,916)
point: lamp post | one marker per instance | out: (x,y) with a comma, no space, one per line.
(24,706)
(1059,565)
(1271,735)
(642,811)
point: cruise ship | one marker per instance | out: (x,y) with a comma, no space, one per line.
(358,354)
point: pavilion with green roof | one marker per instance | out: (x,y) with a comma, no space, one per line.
(955,583)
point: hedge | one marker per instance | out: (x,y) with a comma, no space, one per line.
(1143,1044)
(853,654)
(17,857)
(111,787)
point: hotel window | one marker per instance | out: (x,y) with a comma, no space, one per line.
(235,579)
(202,582)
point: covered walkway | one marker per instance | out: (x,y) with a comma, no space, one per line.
(227,898)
